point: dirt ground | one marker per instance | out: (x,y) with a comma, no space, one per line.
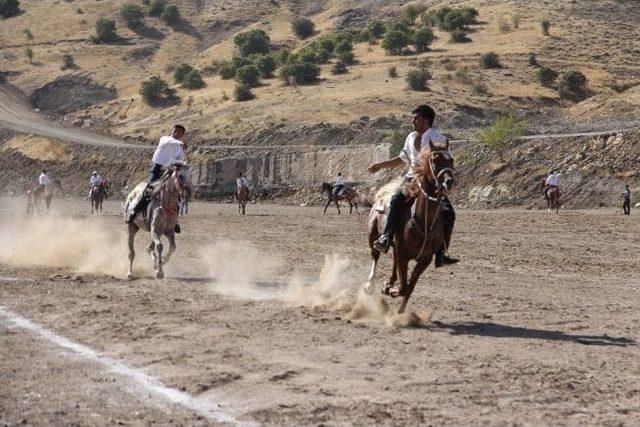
(260,318)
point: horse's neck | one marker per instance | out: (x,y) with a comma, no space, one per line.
(425,207)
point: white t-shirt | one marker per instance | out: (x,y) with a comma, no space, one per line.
(169,150)
(341,180)
(409,154)
(553,179)
(44,179)
(95,180)
(242,182)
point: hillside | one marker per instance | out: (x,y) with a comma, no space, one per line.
(363,106)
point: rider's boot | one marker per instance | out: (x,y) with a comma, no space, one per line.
(448,220)
(177,229)
(386,239)
(442,259)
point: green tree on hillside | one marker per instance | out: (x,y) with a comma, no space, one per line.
(303,27)
(502,134)
(132,14)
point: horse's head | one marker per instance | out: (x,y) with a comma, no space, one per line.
(435,169)
(326,188)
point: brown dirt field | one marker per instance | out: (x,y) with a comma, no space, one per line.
(538,325)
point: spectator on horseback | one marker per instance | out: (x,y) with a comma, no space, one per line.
(170,150)
(552,181)
(242,182)
(44,180)
(95,181)
(340,185)
(626,200)
(423,133)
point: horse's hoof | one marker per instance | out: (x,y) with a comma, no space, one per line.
(129,276)
(160,275)
(369,288)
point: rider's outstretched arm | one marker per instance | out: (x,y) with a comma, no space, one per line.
(396,162)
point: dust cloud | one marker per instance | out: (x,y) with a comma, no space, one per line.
(83,245)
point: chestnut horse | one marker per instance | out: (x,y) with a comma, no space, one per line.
(348,194)
(418,237)
(553,198)
(98,194)
(242,195)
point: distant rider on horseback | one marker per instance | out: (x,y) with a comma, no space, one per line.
(241,182)
(340,185)
(95,181)
(552,181)
(170,150)
(422,122)
(43,180)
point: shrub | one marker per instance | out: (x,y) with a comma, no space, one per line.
(365,36)
(105,30)
(462,75)
(411,12)
(155,91)
(533,61)
(393,72)
(545,25)
(79,11)
(253,41)
(479,88)
(490,60)
(347,57)
(417,79)
(394,42)
(181,72)
(9,8)
(459,36)
(303,28)
(248,75)
(377,29)
(28,52)
(454,20)
(572,85)
(227,70)
(502,134)
(546,76)
(301,73)
(266,64)
(171,15)
(193,80)
(68,62)
(423,38)
(156,8)
(27,32)
(343,46)
(503,26)
(132,15)
(515,20)
(242,93)
(339,67)
(469,15)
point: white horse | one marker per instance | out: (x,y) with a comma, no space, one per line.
(159,218)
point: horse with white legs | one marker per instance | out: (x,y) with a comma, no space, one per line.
(159,218)
(97,196)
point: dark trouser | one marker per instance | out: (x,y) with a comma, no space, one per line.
(337,190)
(398,201)
(155,173)
(626,206)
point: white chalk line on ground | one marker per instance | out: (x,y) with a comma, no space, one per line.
(146,382)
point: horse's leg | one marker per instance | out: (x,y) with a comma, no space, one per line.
(338,206)
(418,269)
(401,265)
(369,286)
(350,208)
(156,225)
(171,237)
(244,207)
(132,229)
(325,208)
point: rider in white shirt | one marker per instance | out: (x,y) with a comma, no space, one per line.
(43,179)
(242,181)
(416,141)
(340,185)
(170,150)
(553,180)
(94,181)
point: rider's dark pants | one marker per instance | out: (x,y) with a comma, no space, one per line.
(155,174)
(337,190)
(626,206)
(399,199)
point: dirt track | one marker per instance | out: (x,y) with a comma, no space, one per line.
(537,326)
